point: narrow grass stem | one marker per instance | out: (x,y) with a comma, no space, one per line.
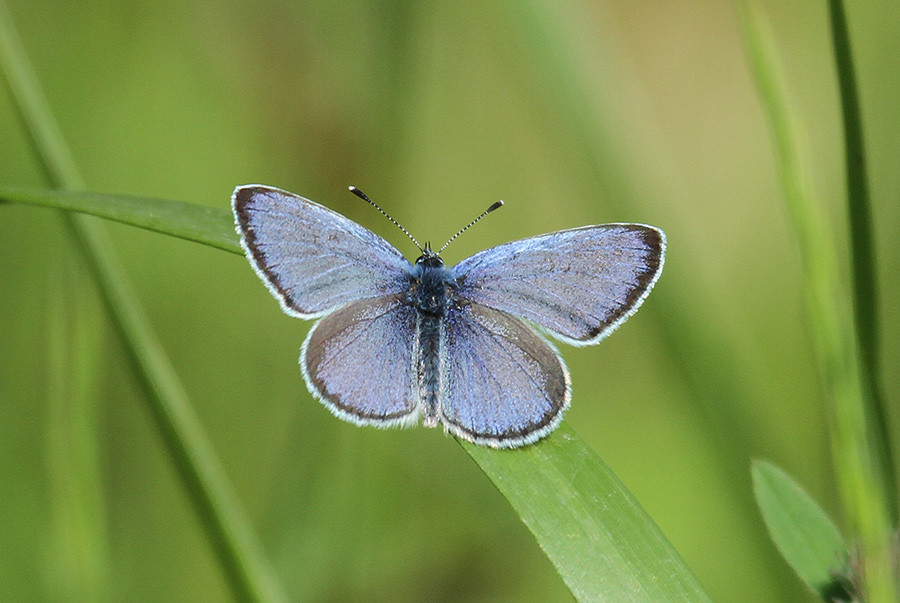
(877,516)
(858,205)
(77,568)
(862,249)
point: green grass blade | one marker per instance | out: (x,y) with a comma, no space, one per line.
(879,579)
(602,542)
(857,447)
(862,249)
(858,203)
(208,225)
(235,544)
(801,530)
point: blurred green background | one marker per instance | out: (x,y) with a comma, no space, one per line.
(573,113)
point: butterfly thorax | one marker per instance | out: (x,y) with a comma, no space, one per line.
(432,283)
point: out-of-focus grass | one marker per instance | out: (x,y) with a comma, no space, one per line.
(205,482)
(181,101)
(577,531)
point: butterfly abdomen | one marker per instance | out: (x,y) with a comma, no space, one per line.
(429,365)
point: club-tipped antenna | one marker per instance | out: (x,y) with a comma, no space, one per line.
(496,205)
(365,198)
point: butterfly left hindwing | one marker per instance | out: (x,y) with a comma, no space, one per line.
(360,361)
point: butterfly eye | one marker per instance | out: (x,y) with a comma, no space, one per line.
(430,261)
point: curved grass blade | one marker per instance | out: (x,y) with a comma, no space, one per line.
(801,530)
(208,225)
(602,542)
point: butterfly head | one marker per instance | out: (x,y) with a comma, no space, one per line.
(429,258)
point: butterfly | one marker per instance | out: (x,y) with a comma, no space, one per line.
(461,346)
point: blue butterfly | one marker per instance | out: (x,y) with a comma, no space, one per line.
(396,341)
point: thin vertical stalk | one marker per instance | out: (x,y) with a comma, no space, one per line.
(78,557)
(862,248)
(878,575)
(858,205)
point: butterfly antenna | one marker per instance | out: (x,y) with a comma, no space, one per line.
(496,205)
(365,198)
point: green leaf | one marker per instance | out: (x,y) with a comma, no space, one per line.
(801,530)
(208,225)
(602,542)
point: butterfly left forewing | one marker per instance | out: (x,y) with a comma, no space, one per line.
(578,284)
(311,258)
(502,384)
